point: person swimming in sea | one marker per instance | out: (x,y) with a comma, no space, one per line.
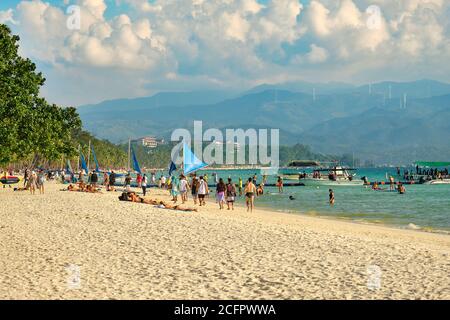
(401,189)
(331,196)
(291,198)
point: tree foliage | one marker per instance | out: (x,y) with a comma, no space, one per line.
(29,125)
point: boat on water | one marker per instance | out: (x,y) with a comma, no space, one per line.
(334,175)
(427,172)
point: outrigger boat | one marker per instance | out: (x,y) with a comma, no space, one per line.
(333,176)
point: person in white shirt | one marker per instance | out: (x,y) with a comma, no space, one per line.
(202,191)
(184,188)
(144,184)
(163,182)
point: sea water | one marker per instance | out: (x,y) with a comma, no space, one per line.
(426,207)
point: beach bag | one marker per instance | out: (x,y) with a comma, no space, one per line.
(124,196)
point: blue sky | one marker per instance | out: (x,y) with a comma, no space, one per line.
(129,48)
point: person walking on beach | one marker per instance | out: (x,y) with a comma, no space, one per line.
(106,180)
(184,188)
(94,179)
(139,180)
(220,193)
(194,189)
(250,191)
(153,178)
(202,191)
(174,188)
(231,194)
(112,180)
(163,182)
(40,182)
(32,181)
(128,182)
(26,177)
(240,187)
(331,196)
(144,184)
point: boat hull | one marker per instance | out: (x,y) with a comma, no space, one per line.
(438,181)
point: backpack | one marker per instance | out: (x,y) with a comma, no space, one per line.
(230,190)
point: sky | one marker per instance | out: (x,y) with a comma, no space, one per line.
(107,49)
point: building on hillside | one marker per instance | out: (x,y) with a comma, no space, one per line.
(150,141)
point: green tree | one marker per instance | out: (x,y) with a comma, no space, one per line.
(29,125)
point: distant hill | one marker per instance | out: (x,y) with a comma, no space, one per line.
(414,89)
(346,119)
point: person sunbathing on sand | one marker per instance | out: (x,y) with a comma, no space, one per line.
(82,188)
(71,187)
(133,197)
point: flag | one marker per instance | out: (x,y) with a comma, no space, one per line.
(190,161)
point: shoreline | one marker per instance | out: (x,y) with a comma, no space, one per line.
(320,215)
(130,250)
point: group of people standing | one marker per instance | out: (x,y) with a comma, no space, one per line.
(33,180)
(226,192)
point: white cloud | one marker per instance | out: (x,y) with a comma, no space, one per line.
(7,16)
(178,44)
(317,54)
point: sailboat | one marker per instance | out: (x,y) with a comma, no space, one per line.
(136,167)
(190,161)
(97,167)
(83,163)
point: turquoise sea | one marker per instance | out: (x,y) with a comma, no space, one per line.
(424,206)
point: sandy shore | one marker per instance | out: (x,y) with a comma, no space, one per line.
(77,245)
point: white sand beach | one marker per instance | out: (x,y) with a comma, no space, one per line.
(71,245)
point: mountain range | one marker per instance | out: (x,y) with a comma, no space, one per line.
(385,122)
